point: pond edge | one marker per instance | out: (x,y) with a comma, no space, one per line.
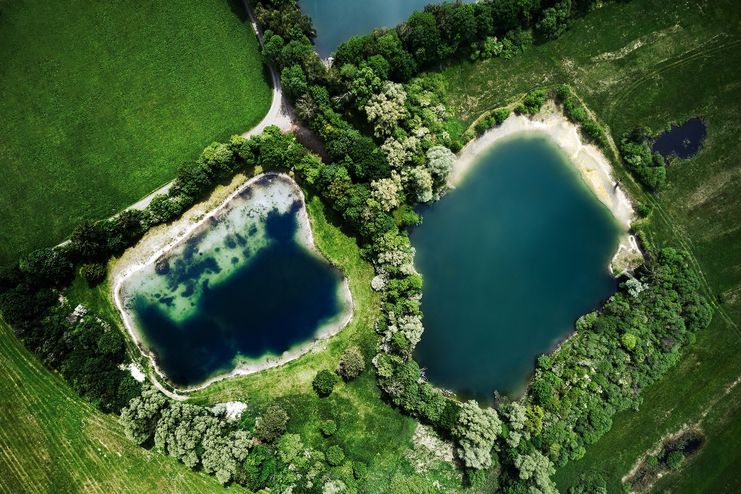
(125,267)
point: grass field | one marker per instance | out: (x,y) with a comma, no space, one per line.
(650,63)
(102,101)
(52,441)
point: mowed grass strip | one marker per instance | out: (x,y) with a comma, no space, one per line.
(102,101)
(52,441)
(650,63)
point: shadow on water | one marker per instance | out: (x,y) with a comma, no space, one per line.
(683,141)
(267,306)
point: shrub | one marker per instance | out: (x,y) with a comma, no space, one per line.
(674,460)
(271,424)
(352,363)
(328,427)
(335,456)
(324,383)
(94,274)
(359,470)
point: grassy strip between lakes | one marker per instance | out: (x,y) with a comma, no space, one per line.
(103,101)
(648,63)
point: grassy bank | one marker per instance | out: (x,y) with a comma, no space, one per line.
(102,101)
(649,63)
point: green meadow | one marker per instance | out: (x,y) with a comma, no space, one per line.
(96,115)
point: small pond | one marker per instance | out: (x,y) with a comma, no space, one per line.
(241,290)
(511,258)
(683,140)
(336,21)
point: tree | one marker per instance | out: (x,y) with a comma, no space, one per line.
(440,162)
(223,453)
(294,82)
(555,20)
(352,363)
(89,241)
(271,424)
(94,274)
(139,418)
(335,456)
(324,383)
(476,431)
(272,47)
(674,460)
(537,469)
(328,427)
(385,109)
(46,267)
(419,182)
(422,37)
(386,191)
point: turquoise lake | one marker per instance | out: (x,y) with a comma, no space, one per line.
(511,258)
(336,21)
(244,288)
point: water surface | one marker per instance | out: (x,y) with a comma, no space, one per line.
(510,258)
(336,21)
(681,140)
(245,286)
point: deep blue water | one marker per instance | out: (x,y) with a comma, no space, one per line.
(681,140)
(336,21)
(510,258)
(267,306)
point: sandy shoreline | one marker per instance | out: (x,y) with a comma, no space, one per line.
(163,238)
(593,167)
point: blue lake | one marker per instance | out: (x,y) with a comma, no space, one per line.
(244,288)
(511,258)
(336,21)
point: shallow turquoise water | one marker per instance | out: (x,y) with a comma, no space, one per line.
(336,21)
(510,258)
(245,286)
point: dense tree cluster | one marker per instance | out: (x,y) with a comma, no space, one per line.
(82,346)
(259,457)
(648,167)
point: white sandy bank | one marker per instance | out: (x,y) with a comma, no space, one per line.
(592,165)
(588,159)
